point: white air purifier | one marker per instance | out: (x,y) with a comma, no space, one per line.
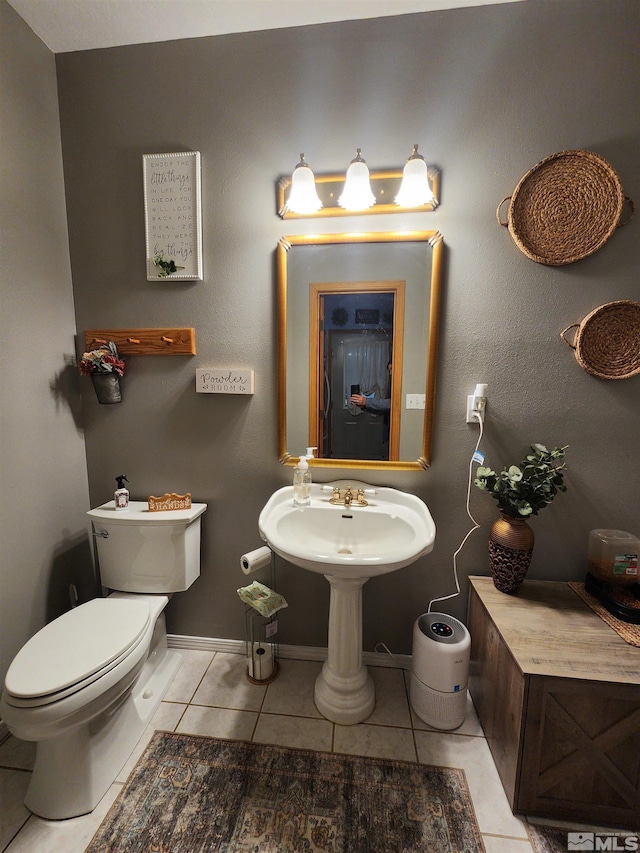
(440,670)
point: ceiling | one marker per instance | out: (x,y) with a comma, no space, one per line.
(66,25)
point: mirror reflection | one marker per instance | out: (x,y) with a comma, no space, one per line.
(358,329)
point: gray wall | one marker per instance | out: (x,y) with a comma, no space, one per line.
(487,92)
(43,468)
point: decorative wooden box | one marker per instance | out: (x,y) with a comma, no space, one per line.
(558,695)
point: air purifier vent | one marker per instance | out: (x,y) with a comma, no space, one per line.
(440,710)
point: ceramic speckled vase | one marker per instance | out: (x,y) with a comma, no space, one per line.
(510,550)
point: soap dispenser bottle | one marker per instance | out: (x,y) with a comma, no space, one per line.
(121,494)
(302,480)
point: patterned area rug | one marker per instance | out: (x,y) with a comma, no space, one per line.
(190,794)
(550,839)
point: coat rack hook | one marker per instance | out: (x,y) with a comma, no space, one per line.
(137,341)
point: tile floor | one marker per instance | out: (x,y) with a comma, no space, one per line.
(210,695)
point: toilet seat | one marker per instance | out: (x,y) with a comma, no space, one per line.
(76,649)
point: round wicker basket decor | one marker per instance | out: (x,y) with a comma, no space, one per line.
(607,343)
(565,208)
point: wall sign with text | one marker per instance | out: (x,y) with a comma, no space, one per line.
(224,380)
(173,216)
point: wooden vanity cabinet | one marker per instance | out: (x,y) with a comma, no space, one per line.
(558,695)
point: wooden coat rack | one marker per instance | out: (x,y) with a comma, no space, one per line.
(144,341)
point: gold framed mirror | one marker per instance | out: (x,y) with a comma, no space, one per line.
(358,327)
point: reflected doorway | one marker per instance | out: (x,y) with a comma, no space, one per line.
(355,334)
(356,432)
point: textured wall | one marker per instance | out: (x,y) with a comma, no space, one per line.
(44,476)
(487,92)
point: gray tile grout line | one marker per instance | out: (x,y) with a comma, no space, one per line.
(188,703)
(259,714)
(17,833)
(413,730)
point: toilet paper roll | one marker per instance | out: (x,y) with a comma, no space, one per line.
(254,560)
(260,662)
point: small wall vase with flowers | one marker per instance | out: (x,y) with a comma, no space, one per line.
(520,490)
(105,369)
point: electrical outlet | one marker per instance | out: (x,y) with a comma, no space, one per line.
(415,401)
(476,402)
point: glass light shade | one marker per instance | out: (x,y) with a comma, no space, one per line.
(357,193)
(303,197)
(415,189)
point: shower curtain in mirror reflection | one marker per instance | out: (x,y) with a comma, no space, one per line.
(365,364)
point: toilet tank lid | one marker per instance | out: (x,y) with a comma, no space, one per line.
(76,645)
(138,513)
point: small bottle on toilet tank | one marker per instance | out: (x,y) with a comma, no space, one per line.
(121,494)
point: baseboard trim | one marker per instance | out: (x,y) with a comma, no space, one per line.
(238,647)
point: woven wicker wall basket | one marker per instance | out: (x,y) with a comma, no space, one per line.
(607,343)
(565,208)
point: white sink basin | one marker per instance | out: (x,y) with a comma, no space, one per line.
(394,530)
(348,545)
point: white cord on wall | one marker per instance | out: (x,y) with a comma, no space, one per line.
(474,458)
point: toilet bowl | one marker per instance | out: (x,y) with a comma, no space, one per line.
(86,685)
(82,742)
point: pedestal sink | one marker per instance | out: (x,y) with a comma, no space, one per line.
(348,544)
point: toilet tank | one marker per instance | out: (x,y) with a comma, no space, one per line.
(143,551)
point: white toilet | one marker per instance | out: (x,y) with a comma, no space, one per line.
(88,683)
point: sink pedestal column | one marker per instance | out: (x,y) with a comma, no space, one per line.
(344,690)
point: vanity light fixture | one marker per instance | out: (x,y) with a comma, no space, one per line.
(303,197)
(357,194)
(359,191)
(415,189)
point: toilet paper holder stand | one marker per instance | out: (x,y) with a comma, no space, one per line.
(261,640)
(262,650)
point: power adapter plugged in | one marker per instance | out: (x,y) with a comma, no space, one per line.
(477,403)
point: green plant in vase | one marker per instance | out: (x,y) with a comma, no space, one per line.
(520,491)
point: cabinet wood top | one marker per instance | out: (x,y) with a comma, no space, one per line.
(550,631)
